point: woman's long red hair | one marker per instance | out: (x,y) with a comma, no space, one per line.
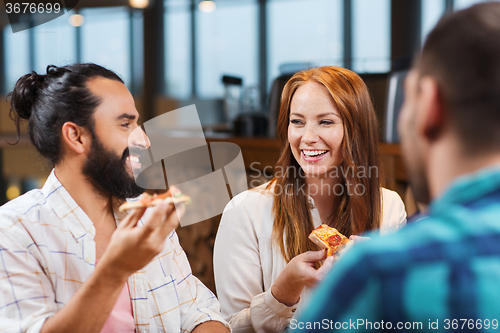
(355,213)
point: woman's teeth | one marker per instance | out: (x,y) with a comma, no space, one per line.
(311,153)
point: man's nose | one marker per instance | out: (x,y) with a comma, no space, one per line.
(138,138)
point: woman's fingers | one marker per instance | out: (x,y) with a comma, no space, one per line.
(325,268)
(357,239)
(314,256)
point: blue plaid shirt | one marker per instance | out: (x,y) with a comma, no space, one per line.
(439,274)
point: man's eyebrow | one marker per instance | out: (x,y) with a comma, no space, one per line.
(126,116)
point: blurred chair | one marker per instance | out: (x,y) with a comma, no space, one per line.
(275,101)
(395,97)
(287,70)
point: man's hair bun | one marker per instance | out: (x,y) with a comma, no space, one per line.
(25,94)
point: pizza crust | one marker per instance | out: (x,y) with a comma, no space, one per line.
(320,236)
(183,199)
(316,240)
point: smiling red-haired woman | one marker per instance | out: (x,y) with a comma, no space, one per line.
(328,173)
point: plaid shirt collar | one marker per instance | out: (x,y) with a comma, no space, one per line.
(68,210)
(470,187)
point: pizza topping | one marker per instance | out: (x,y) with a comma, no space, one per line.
(329,238)
(174,191)
(148,200)
(334,240)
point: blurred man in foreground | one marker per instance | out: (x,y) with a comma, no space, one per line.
(442,272)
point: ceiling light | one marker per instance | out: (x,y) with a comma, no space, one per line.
(13,192)
(206,6)
(76,20)
(139,3)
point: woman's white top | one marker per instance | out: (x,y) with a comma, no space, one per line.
(246,262)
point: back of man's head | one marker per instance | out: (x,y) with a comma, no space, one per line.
(463,54)
(49,100)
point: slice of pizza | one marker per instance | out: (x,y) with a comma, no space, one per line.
(173,195)
(329,238)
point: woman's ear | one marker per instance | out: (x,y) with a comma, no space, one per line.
(76,138)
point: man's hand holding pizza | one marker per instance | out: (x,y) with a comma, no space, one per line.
(132,247)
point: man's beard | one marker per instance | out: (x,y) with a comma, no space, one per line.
(419,182)
(108,173)
(417,174)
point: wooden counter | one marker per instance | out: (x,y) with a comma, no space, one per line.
(198,239)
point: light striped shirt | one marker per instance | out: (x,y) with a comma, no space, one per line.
(47,251)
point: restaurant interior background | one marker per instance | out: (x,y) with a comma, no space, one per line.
(175,53)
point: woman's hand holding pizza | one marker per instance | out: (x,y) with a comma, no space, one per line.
(299,273)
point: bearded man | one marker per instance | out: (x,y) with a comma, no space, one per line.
(69,261)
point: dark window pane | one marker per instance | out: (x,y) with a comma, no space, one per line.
(54,43)
(178,49)
(226,44)
(371,36)
(105,39)
(304,31)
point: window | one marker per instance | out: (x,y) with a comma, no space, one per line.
(106,39)
(16,49)
(54,44)
(304,31)
(462,4)
(371,36)
(226,44)
(178,49)
(432,10)
(137,51)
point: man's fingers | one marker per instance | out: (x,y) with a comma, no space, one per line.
(171,220)
(132,218)
(157,216)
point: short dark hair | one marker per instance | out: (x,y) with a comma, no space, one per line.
(463,54)
(49,100)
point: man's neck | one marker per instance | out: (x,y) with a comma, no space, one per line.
(447,162)
(97,207)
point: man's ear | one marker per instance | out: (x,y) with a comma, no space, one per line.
(433,107)
(76,138)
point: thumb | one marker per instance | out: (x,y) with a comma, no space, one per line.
(313,256)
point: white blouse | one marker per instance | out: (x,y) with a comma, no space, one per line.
(246,263)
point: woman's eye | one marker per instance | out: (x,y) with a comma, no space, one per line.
(326,122)
(296,122)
